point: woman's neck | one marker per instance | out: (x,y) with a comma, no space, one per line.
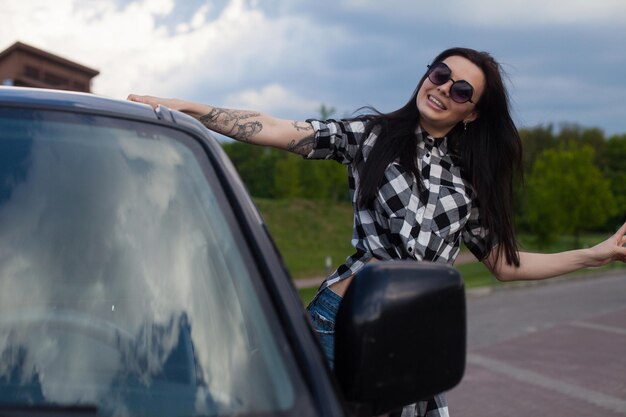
(434,131)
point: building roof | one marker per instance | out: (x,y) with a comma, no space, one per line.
(20,46)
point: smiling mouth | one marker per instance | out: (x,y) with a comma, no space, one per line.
(436,102)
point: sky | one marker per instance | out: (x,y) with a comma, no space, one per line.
(565,61)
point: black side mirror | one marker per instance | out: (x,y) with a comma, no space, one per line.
(400,334)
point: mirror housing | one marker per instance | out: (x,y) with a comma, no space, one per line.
(400,334)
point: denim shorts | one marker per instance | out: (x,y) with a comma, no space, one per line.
(322,311)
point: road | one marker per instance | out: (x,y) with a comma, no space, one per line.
(557,348)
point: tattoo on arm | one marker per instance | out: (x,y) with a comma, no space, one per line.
(303,146)
(233,123)
(302,128)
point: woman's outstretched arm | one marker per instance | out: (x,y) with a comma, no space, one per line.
(534,266)
(242,125)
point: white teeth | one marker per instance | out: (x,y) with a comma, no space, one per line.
(437,102)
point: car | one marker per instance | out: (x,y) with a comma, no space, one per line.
(137,278)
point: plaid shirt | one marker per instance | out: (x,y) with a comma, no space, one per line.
(404,223)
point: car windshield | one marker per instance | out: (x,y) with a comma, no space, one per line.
(124,284)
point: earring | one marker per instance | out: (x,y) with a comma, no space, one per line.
(465,126)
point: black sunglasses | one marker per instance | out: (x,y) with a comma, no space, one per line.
(461,91)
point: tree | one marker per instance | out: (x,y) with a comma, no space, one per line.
(287,177)
(324,180)
(614,168)
(575,135)
(567,194)
(255,165)
(326,112)
(270,173)
(534,141)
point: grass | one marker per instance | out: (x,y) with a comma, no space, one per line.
(476,275)
(307,294)
(306,232)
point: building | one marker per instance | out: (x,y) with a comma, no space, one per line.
(26,66)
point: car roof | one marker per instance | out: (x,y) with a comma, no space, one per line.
(69,100)
(73,101)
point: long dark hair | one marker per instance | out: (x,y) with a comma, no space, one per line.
(489,151)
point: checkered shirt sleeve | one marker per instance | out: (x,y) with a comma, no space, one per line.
(337,140)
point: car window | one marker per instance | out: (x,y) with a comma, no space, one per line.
(122,282)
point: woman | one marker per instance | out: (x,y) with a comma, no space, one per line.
(438,170)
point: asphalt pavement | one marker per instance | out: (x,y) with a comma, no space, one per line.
(549,348)
(555,348)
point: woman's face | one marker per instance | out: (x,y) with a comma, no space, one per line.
(438,112)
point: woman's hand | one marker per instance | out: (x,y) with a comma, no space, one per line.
(610,250)
(171,103)
(196,110)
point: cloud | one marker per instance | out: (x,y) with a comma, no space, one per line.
(273,98)
(564,99)
(136,51)
(98,35)
(542,12)
(494,13)
(346,53)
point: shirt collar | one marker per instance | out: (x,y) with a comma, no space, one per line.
(425,140)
